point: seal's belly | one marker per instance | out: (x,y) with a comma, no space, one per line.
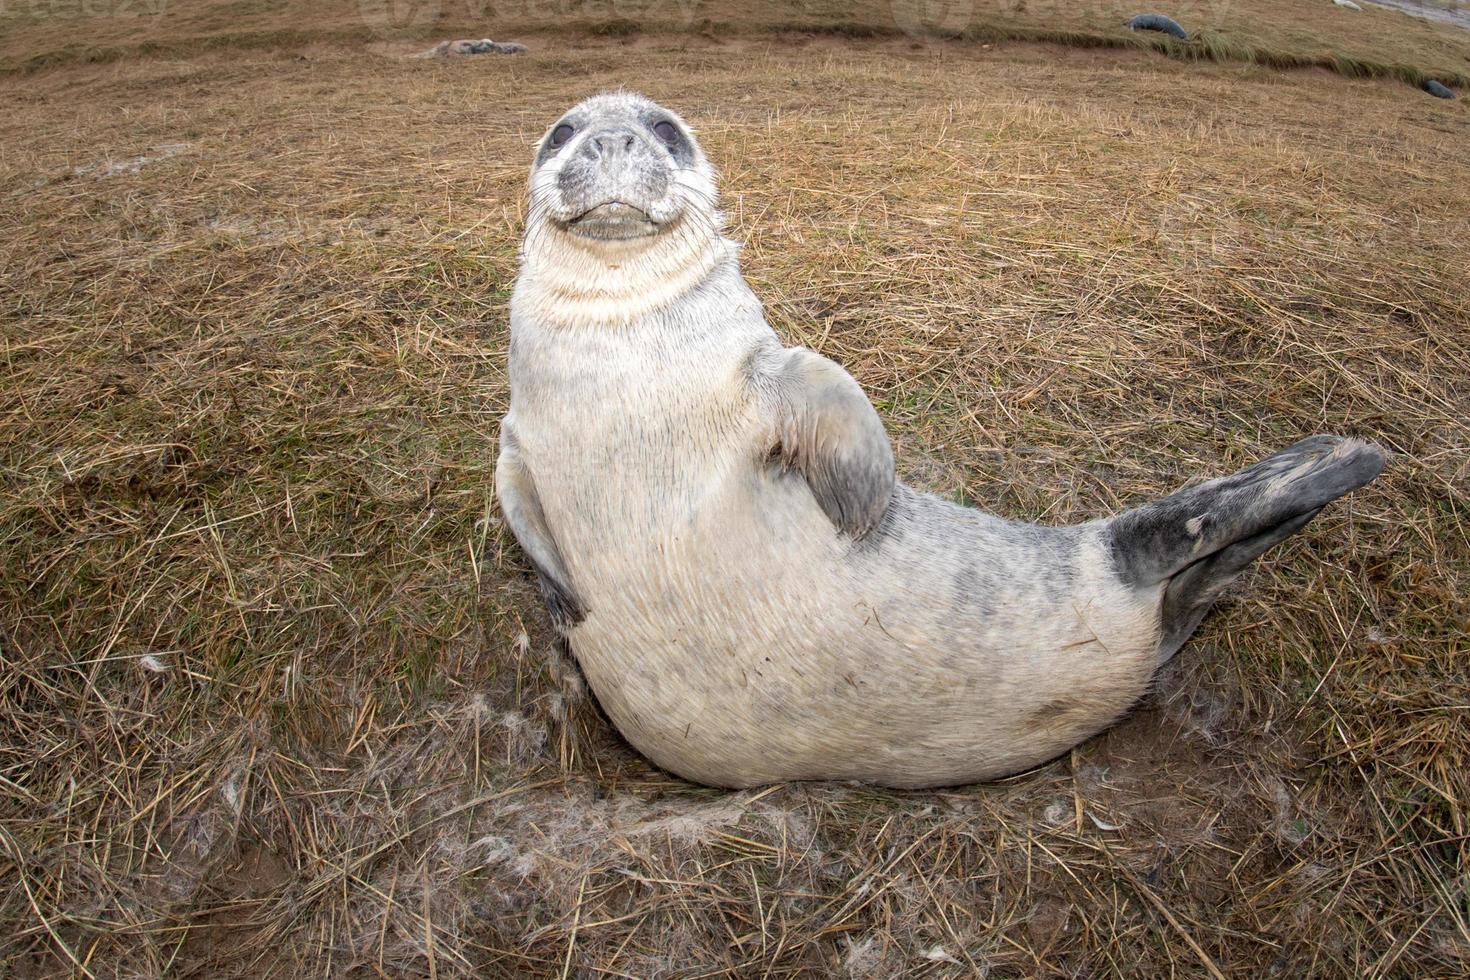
(715,619)
(708,563)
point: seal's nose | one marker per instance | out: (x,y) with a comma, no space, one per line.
(612,162)
(609,144)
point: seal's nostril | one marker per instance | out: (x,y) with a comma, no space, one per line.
(628,142)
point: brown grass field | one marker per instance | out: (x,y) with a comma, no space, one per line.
(277,696)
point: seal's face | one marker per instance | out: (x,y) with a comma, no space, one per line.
(623,219)
(619,170)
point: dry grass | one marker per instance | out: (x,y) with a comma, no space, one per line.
(1372,43)
(277,697)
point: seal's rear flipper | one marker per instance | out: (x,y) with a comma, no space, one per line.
(1199,539)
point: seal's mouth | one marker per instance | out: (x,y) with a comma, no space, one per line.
(614,221)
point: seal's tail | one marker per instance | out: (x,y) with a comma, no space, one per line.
(1199,539)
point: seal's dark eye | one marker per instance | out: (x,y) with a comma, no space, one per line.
(561,134)
(665,131)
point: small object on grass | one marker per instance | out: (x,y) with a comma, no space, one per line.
(1437,89)
(1157,22)
(1348,4)
(464,46)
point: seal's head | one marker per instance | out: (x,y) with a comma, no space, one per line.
(623,216)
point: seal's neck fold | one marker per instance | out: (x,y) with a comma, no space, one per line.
(571,282)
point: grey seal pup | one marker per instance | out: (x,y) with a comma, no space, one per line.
(469,45)
(1157,22)
(719,534)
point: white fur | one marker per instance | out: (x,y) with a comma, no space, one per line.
(573,283)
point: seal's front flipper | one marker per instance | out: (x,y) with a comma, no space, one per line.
(1199,539)
(522,509)
(828,431)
